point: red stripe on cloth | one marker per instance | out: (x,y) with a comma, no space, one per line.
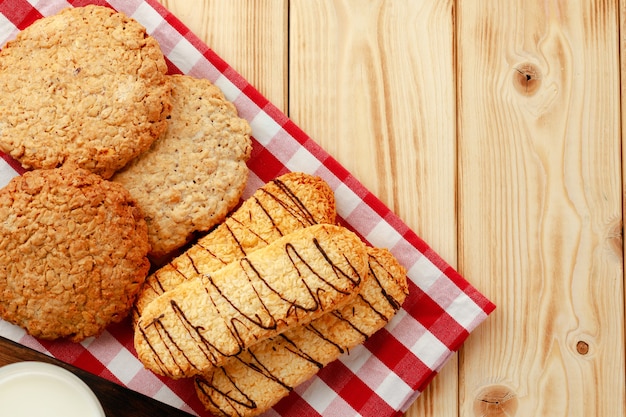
(264,164)
(434,318)
(77,355)
(298,134)
(87,361)
(83,3)
(120,332)
(336,168)
(485,304)
(171,68)
(169,18)
(294,405)
(16,166)
(398,358)
(20,12)
(185,390)
(354,391)
(427,381)
(216,60)
(421,307)
(253,94)
(276,114)
(411,237)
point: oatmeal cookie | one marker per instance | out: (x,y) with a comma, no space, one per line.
(195,173)
(73,252)
(86,85)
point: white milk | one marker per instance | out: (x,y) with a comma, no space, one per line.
(34,389)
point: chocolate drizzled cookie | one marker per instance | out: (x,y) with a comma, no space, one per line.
(256,379)
(290,202)
(293,280)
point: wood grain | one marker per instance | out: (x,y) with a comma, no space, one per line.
(250,35)
(373,84)
(540,207)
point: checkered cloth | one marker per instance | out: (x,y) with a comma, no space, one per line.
(380,378)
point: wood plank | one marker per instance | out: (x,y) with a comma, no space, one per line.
(373,83)
(541,207)
(622,46)
(250,35)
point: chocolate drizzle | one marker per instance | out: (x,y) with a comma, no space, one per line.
(207,388)
(255,364)
(191,262)
(208,349)
(165,336)
(256,317)
(291,204)
(359,311)
(395,304)
(296,350)
(286,198)
(311,328)
(231,395)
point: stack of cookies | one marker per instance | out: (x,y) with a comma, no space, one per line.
(261,303)
(124,164)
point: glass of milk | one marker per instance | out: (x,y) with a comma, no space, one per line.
(37,389)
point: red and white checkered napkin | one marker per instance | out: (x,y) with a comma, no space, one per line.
(380,378)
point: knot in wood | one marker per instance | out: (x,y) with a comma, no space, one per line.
(526,79)
(495,401)
(582,347)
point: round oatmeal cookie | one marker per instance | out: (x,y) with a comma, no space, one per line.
(73,252)
(86,85)
(195,174)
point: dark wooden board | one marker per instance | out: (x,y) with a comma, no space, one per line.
(116,400)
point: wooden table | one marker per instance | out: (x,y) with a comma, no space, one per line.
(494,130)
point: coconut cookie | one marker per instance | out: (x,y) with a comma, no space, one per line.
(293,280)
(87,86)
(195,174)
(73,252)
(257,378)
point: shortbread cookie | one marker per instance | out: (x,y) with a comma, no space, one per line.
(86,85)
(293,280)
(195,174)
(290,202)
(257,378)
(73,252)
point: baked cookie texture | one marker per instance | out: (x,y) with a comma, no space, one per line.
(257,378)
(194,175)
(73,252)
(87,86)
(295,279)
(287,203)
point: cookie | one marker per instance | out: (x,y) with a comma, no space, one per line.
(256,379)
(73,252)
(195,174)
(293,280)
(87,86)
(289,202)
